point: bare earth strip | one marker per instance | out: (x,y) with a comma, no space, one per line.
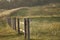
(7,12)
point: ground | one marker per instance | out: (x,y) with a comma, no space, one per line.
(41,28)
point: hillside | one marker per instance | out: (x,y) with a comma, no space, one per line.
(44,20)
(52,10)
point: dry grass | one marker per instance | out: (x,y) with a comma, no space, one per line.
(40,29)
(45,30)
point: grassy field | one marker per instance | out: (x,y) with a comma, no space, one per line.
(41,28)
(45,10)
(45,29)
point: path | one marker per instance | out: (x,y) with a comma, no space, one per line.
(8,12)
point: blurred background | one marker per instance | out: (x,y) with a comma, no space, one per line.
(44,26)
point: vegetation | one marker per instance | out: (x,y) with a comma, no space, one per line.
(5,4)
(46,10)
(41,28)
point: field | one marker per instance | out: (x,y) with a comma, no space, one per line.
(45,29)
(41,28)
(45,10)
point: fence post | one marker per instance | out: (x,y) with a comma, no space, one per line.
(25,34)
(27,28)
(9,21)
(18,20)
(14,23)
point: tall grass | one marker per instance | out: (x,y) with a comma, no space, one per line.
(45,29)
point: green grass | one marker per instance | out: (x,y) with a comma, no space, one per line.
(21,12)
(48,19)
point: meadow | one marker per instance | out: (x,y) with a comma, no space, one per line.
(41,28)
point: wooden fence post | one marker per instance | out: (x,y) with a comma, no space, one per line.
(9,21)
(27,28)
(14,23)
(25,34)
(18,20)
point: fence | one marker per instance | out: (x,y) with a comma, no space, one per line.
(38,25)
(12,22)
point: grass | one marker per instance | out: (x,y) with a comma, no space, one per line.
(45,10)
(44,28)
(21,12)
(7,33)
(39,30)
